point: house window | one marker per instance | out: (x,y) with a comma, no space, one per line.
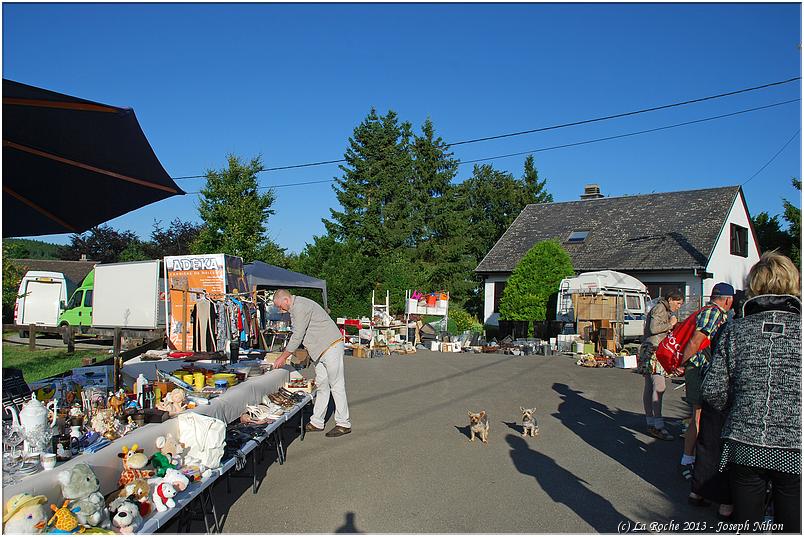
(658,290)
(739,240)
(577,236)
(498,293)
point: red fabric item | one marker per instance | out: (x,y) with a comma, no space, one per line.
(180,354)
(671,349)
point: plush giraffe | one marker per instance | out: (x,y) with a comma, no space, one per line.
(133,463)
(66,522)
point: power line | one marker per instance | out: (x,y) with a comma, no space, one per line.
(774,156)
(615,116)
(712,118)
(543,129)
(584,142)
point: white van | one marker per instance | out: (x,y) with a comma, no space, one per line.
(607,283)
(39,298)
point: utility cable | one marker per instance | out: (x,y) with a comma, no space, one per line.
(543,129)
(584,142)
(774,156)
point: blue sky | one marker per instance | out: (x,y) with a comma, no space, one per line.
(290,82)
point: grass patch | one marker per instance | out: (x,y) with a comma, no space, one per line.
(43,363)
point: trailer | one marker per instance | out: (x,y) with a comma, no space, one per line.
(628,310)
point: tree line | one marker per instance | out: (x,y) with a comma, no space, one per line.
(402,222)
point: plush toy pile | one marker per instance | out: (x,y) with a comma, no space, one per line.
(84,508)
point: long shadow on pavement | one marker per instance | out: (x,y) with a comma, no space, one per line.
(612,432)
(564,487)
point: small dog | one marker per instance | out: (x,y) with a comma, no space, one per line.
(529,422)
(479,424)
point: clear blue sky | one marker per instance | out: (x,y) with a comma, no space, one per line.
(291,82)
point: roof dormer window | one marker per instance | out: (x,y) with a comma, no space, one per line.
(577,236)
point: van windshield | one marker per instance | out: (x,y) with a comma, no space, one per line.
(75,300)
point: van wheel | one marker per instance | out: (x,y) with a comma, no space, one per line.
(23,334)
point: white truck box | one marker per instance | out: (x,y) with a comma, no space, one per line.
(128,295)
(39,298)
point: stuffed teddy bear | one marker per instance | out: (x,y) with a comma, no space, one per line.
(171,448)
(163,496)
(125,515)
(174,477)
(169,455)
(140,492)
(174,402)
(24,514)
(133,463)
(80,487)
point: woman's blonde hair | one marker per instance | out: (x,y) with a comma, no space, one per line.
(774,274)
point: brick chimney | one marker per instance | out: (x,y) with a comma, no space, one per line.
(591,192)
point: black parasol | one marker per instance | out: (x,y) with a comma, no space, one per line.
(70,164)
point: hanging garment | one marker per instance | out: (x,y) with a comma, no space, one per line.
(223,326)
(204,321)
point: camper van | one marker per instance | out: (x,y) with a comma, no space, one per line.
(39,298)
(633,293)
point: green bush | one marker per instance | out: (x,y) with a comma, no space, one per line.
(464,320)
(533,280)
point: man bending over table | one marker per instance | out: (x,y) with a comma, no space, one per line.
(313,327)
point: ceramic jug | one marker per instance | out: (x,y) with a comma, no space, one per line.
(34,422)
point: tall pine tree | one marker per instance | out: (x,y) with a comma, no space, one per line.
(375,188)
(534,189)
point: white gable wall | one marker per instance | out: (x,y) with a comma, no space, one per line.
(724,266)
(489,315)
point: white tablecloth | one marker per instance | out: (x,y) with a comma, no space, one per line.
(107,465)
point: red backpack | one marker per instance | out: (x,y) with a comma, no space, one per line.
(671,349)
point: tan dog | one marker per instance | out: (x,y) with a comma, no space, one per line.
(479,425)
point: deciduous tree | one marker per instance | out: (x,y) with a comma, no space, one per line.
(235,212)
(533,280)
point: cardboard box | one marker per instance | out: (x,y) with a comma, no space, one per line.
(359,351)
(594,308)
(99,376)
(626,362)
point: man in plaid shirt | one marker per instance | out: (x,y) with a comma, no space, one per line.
(695,363)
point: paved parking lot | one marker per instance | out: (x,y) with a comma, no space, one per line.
(408,465)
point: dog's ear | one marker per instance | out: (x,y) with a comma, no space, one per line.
(470,413)
(522,409)
(482,414)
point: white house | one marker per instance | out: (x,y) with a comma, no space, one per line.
(686,240)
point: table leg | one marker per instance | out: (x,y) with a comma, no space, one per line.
(254,473)
(301,423)
(211,506)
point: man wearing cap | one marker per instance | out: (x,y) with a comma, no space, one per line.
(694,364)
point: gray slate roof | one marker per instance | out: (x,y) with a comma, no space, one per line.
(671,230)
(74,271)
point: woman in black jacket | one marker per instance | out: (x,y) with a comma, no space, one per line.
(755,376)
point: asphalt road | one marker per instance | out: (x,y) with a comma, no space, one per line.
(408,466)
